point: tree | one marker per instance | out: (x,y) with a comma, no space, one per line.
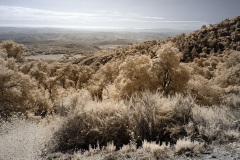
(170,75)
(103,77)
(19,92)
(139,73)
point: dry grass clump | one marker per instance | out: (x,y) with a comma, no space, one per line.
(232,101)
(158,118)
(154,147)
(186,145)
(158,151)
(131,147)
(217,123)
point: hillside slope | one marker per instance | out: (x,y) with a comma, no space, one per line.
(210,40)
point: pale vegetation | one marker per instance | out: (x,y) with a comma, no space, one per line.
(139,98)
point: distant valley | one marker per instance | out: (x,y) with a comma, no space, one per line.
(73,42)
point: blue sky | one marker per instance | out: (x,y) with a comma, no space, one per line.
(116,14)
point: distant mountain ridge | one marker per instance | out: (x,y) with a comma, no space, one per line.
(39,34)
(60,40)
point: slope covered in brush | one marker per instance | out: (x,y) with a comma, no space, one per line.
(212,39)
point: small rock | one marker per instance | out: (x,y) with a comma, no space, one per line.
(188,154)
(213,156)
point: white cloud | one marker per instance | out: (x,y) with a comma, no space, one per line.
(21,12)
(14,15)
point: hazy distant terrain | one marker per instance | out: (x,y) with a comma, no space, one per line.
(67,41)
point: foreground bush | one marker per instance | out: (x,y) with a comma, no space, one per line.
(151,117)
(97,122)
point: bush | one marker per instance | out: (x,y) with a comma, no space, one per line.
(14,50)
(151,117)
(157,118)
(19,94)
(214,123)
(97,122)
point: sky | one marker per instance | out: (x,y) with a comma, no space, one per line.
(117,14)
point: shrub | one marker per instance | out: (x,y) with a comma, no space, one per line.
(3,53)
(150,117)
(214,123)
(13,50)
(157,118)
(19,94)
(97,122)
(172,77)
(205,91)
